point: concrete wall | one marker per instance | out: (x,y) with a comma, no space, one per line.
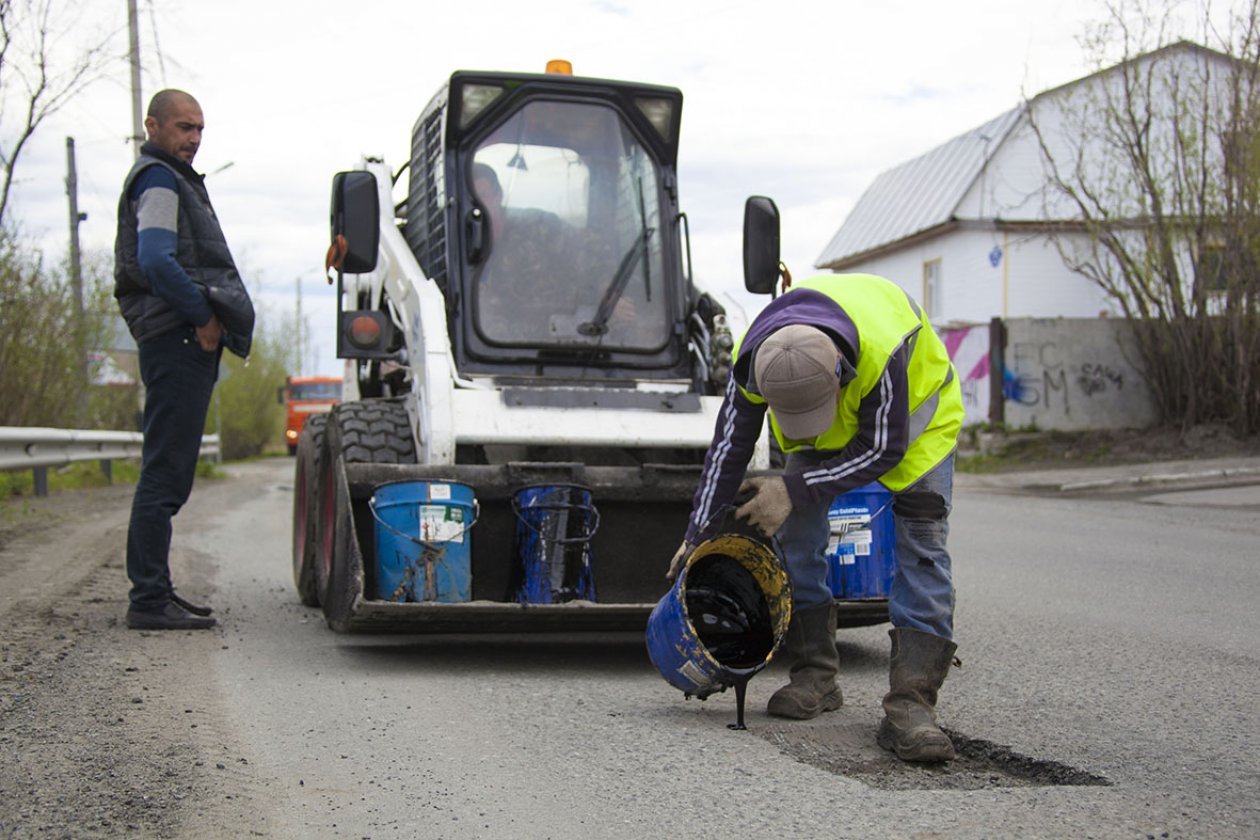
(1074,373)
(1067,374)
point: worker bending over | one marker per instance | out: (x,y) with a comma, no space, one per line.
(857,388)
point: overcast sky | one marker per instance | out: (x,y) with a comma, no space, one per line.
(803,101)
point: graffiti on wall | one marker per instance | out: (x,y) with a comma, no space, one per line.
(968,349)
(1096,378)
(1038,377)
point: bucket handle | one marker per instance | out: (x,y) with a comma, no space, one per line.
(416,540)
(516,511)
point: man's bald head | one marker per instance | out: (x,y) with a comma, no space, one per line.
(175,123)
(164,102)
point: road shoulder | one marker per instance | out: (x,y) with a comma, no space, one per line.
(104,731)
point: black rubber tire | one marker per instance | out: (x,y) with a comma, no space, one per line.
(363,432)
(372,432)
(306,473)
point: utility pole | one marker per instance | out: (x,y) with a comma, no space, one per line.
(76,277)
(298,282)
(76,267)
(137,121)
(137,138)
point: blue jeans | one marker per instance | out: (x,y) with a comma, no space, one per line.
(178,378)
(922,595)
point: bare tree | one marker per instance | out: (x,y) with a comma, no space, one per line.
(43,65)
(1153,165)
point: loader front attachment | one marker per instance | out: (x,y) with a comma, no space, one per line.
(642,515)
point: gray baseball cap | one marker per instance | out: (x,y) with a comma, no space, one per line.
(795,370)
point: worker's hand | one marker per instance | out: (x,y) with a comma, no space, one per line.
(210,335)
(769,508)
(680,560)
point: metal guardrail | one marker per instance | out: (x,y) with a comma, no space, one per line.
(37,448)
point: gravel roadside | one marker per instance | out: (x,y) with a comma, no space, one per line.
(97,738)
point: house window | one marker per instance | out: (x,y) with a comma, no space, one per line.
(933,288)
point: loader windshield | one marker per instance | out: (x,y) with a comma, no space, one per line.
(573,251)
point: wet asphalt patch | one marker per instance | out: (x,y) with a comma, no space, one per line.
(849,750)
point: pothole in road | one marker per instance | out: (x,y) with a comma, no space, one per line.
(850,750)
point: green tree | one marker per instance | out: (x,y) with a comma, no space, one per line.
(42,348)
(249,417)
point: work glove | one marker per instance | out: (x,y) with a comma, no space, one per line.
(769,508)
(680,560)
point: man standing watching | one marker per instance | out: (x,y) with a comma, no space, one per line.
(183,300)
(858,389)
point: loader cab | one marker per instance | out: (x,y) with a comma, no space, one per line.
(545,207)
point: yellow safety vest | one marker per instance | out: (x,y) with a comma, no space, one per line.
(886,318)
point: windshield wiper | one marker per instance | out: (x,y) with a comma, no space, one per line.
(638,251)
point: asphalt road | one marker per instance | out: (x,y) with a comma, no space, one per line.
(1108,689)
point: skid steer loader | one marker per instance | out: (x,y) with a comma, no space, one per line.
(524,320)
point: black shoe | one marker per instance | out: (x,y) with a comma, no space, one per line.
(171,617)
(195,609)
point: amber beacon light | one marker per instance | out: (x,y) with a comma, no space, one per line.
(560,67)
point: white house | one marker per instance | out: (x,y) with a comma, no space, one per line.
(978,229)
(964,227)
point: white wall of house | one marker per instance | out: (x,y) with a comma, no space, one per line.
(1039,285)
(982,274)
(967,287)
(1074,126)
(1013,185)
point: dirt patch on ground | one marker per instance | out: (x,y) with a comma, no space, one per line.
(981,452)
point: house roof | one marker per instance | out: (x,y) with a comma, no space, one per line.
(919,194)
(923,193)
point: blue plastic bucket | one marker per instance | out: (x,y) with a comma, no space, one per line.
(861,553)
(423,548)
(686,641)
(554,527)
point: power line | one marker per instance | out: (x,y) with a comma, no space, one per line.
(157,44)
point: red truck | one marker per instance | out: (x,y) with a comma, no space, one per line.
(303,396)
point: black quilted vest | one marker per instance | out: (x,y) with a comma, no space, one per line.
(201,251)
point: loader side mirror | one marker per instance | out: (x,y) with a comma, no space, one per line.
(761,245)
(355,216)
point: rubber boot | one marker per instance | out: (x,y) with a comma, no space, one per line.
(811,648)
(920,662)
